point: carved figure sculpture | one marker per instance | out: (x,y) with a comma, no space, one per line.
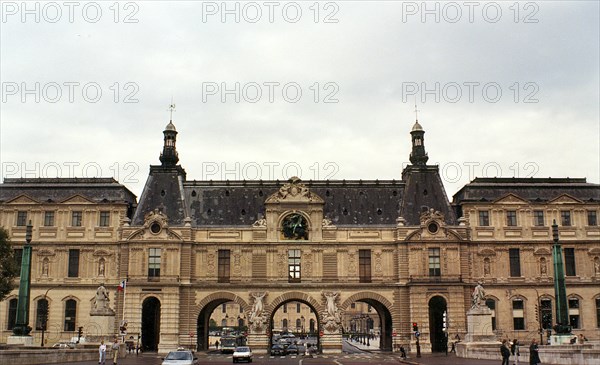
(478,295)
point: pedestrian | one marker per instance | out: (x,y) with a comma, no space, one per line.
(217,344)
(453,347)
(115,351)
(582,339)
(402,352)
(534,357)
(514,351)
(102,353)
(505,352)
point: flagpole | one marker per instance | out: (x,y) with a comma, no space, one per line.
(124,294)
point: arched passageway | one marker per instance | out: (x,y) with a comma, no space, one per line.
(150,324)
(437,336)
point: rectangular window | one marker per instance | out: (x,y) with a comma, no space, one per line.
(515,262)
(598,312)
(104,219)
(570,261)
(518,317)
(285,308)
(41,315)
(538,218)
(70,315)
(294,266)
(434,262)
(491,303)
(364,266)
(574,313)
(484,218)
(224,308)
(224,266)
(546,313)
(565,218)
(21,218)
(18,258)
(12,313)
(297,307)
(76,218)
(73,263)
(592,219)
(154,263)
(48,219)
(511,218)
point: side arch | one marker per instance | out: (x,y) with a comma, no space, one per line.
(293,296)
(362,296)
(220,296)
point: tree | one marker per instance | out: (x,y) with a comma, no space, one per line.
(8,266)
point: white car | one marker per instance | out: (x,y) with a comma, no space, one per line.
(242,353)
(180,357)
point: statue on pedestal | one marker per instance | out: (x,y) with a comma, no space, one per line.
(101,302)
(478,296)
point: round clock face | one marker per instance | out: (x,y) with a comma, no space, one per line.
(295,227)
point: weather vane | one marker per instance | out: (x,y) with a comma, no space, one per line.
(172,108)
(416,110)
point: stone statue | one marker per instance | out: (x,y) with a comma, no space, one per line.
(597,266)
(101,268)
(543,267)
(45,265)
(332,318)
(478,296)
(486,267)
(257,318)
(101,301)
(260,223)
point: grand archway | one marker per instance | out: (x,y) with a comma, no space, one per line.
(294,321)
(365,323)
(208,306)
(150,324)
(437,307)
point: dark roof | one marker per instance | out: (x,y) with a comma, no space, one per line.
(531,189)
(98,190)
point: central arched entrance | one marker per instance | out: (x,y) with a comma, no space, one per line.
(437,307)
(368,319)
(150,324)
(220,311)
(294,322)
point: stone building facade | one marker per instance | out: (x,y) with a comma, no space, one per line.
(399,247)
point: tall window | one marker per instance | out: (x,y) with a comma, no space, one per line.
(48,219)
(515,262)
(364,266)
(546,313)
(574,312)
(570,261)
(41,314)
(76,218)
(154,263)
(224,264)
(18,258)
(12,313)
(284,323)
(297,307)
(598,312)
(434,262)
(21,218)
(285,308)
(224,308)
(484,218)
(70,315)
(565,217)
(224,322)
(538,218)
(73,263)
(518,315)
(298,324)
(491,303)
(592,218)
(511,218)
(294,266)
(104,219)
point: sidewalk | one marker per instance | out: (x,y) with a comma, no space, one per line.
(373,344)
(442,359)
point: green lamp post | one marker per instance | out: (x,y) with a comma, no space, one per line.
(22,327)
(562,326)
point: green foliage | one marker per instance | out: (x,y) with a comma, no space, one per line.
(8,266)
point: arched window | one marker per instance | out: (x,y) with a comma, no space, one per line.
(284,324)
(598,312)
(70,315)
(312,324)
(12,313)
(518,311)
(298,324)
(546,312)
(574,319)
(491,303)
(41,315)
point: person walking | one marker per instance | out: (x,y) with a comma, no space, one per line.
(217,344)
(102,353)
(505,352)
(115,351)
(534,357)
(514,351)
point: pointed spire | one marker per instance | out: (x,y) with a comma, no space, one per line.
(418,156)
(169,156)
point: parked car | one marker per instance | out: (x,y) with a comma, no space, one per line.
(180,357)
(242,353)
(277,350)
(292,349)
(64,345)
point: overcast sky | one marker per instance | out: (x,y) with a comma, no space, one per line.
(502,89)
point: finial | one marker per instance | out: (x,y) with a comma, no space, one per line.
(416,111)
(171,109)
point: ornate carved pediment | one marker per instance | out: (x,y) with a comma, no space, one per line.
(294,191)
(487,252)
(156,216)
(23,199)
(510,198)
(565,199)
(431,215)
(156,227)
(542,251)
(102,253)
(77,199)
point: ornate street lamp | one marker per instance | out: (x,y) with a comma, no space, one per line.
(560,289)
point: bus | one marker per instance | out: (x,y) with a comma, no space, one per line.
(230,342)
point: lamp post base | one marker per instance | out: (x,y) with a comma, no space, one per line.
(20,340)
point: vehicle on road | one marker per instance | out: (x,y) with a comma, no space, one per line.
(64,345)
(180,357)
(242,353)
(292,349)
(277,350)
(229,343)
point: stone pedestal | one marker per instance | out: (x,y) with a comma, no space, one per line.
(259,343)
(331,343)
(560,339)
(20,340)
(101,327)
(479,325)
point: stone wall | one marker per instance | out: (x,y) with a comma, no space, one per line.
(47,356)
(588,354)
